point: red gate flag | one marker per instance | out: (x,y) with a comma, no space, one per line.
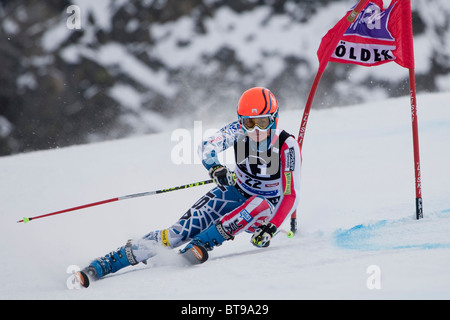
(376,36)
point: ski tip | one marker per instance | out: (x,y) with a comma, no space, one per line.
(196,254)
(200,253)
(82,279)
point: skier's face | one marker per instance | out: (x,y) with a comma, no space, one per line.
(258,136)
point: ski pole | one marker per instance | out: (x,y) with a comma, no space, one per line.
(135,195)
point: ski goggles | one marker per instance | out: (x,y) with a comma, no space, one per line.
(263,123)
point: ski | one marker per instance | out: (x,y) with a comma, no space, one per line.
(195,255)
(79,280)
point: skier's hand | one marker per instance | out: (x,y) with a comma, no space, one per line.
(261,237)
(222,175)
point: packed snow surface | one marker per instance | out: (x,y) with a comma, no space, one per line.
(358,237)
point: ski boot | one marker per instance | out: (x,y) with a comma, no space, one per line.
(111,262)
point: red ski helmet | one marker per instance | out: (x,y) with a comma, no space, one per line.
(258,107)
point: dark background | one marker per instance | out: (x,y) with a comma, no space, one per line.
(50,100)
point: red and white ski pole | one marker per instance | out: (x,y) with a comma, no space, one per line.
(135,195)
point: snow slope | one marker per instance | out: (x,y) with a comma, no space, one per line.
(356,212)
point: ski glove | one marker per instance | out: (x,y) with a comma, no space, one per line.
(222,175)
(262,235)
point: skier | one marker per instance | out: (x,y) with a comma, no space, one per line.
(257,197)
